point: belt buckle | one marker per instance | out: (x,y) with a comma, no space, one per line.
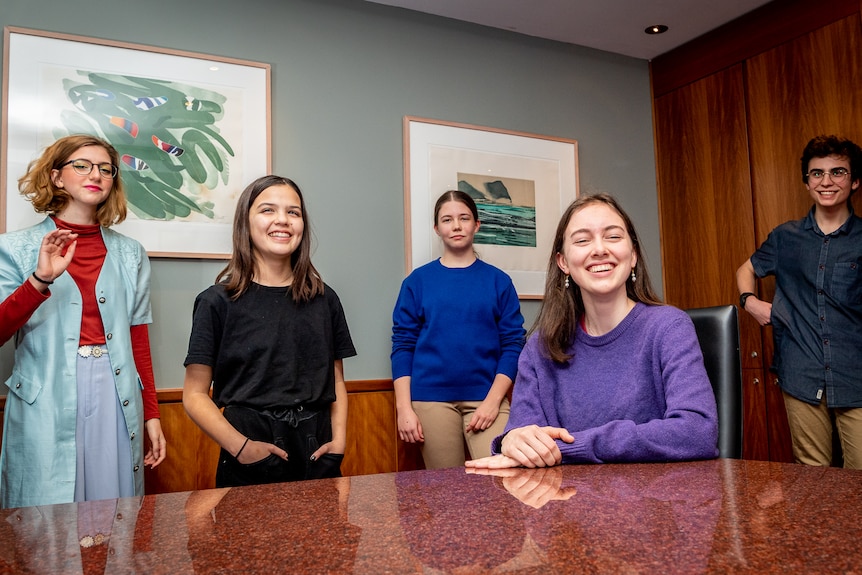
(91,350)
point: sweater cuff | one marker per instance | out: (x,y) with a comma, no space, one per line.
(497,444)
(144,365)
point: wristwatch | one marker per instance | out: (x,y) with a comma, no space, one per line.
(743,297)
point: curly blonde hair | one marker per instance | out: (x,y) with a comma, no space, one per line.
(38,187)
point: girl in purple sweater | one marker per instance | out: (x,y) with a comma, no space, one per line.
(609,374)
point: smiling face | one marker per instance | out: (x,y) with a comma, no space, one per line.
(597,251)
(86,192)
(456,226)
(826,192)
(276,223)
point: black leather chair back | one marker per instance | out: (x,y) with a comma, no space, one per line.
(718,333)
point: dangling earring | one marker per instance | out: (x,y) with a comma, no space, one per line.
(634,277)
(566,283)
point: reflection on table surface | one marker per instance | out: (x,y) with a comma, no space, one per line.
(700,517)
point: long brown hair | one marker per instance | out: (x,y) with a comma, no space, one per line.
(238,273)
(38,186)
(562,308)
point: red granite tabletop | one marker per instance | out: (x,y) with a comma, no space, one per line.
(722,516)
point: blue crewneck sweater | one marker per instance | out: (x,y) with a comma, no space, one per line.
(454,330)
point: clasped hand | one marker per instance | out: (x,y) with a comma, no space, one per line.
(530,446)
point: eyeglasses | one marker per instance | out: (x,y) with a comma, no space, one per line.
(837,174)
(83,167)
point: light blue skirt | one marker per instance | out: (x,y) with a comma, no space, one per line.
(104,450)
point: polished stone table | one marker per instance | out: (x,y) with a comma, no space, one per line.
(722,516)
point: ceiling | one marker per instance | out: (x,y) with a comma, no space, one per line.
(611,25)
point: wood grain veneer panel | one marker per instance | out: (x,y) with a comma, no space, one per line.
(755,430)
(780,445)
(371,433)
(192,455)
(704,191)
(745,37)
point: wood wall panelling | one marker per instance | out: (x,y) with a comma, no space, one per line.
(755,444)
(751,349)
(704,189)
(780,445)
(372,434)
(762,29)
(192,455)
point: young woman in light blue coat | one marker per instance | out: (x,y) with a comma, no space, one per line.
(76,298)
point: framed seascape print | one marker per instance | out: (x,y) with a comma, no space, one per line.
(192,130)
(521,183)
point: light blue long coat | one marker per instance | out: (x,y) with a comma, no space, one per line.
(37,462)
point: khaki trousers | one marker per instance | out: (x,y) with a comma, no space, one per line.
(811,432)
(444,424)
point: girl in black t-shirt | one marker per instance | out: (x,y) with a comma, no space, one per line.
(270,337)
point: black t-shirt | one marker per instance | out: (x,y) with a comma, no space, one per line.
(267,351)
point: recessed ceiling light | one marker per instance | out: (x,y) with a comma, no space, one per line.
(657,29)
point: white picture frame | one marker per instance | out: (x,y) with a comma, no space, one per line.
(440,155)
(54,85)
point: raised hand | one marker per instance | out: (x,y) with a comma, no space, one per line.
(55,254)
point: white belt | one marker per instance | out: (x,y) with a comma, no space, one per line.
(92,350)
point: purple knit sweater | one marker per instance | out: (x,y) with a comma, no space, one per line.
(637,393)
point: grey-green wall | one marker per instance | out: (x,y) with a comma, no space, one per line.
(344,73)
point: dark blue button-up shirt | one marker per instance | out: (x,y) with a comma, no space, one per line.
(817,310)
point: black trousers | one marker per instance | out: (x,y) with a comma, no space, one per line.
(300,432)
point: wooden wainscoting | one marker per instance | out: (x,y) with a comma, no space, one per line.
(192,455)
(372,440)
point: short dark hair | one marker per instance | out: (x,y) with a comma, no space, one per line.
(825,146)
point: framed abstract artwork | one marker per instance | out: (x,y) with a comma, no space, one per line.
(521,184)
(192,131)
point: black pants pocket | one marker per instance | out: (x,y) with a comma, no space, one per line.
(327,465)
(257,427)
(232,473)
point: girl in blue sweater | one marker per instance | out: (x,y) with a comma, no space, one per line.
(610,374)
(457,332)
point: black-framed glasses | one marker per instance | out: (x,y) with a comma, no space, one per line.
(83,167)
(836,174)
